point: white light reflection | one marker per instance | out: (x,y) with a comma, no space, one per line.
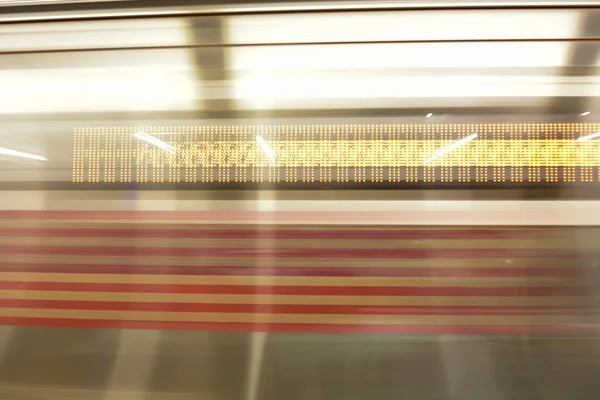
(585,113)
(156,142)
(589,137)
(453,146)
(429,115)
(15,153)
(265,146)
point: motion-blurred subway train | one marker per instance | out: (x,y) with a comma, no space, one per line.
(299,200)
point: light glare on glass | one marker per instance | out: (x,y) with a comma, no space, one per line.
(451,147)
(265,146)
(156,142)
(15,153)
(589,137)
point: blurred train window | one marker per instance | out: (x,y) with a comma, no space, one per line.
(140,81)
(448,97)
(399,75)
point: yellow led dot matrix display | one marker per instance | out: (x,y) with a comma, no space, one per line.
(339,153)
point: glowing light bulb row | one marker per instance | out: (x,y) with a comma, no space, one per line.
(307,153)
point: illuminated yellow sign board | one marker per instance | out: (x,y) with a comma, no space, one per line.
(339,153)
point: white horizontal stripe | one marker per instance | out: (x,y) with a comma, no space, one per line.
(361,212)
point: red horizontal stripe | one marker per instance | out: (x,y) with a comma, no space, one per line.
(298,234)
(304,328)
(413,272)
(285,308)
(283,253)
(295,290)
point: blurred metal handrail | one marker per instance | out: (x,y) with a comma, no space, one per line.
(105,9)
(21,3)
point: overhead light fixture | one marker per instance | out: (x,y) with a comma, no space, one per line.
(265,146)
(585,113)
(156,142)
(15,153)
(588,137)
(429,115)
(453,146)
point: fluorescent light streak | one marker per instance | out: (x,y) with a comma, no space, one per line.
(429,115)
(265,146)
(15,153)
(453,146)
(585,113)
(310,61)
(589,137)
(157,142)
(380,26)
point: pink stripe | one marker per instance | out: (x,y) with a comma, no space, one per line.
(296,290)
(285,308)
(417,272)
(304,328)
(283,253)
(297,234)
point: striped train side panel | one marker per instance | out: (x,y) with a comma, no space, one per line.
(58,269)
